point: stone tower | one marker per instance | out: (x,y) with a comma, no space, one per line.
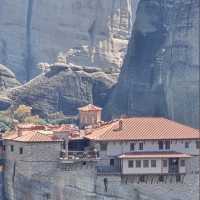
(89,115)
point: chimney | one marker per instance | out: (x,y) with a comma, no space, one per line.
(120,124)
(19,132)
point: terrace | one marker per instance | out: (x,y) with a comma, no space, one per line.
(73,156)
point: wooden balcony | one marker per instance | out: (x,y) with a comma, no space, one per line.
(75,156)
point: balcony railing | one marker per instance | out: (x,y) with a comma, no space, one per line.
(79,155)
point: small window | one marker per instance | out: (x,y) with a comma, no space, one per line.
(186,145)
(153,163)
(84,163)
(167,144)
(142,178)
(103,146)
(161,178)
(145,163)
(164,163)
(130,164)
(112,162)
(141,146)
(4,147)
(138,163)
(160,145)
(20,150)
(11,148)
(132,146)
(182,163)
(198,144)
(178,178)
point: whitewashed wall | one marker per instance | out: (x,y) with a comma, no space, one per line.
(117,148)
(159,169)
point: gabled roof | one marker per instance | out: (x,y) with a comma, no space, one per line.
(143,128)
(40,133)
(168,154)
(32,136)
(89,107)
(37,137)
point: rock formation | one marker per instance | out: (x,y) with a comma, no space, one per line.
(64,88)
(160,75)
(89,32)
(7,80)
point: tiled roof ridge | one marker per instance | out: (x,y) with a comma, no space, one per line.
(90,107)
(103,126)
(152,152)
(107,131)
(144,128)
(36,136)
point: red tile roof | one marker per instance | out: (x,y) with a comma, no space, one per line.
(41,133)
(30,127)
(169,154)
(89,107)
(32,136)
(143,128)
(63,128)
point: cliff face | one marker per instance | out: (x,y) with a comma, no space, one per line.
(64,88)
(88,32)
(160,75)
(7,78)
(45,180)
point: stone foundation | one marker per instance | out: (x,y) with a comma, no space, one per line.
(81,182)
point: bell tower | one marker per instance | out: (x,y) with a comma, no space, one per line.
(89,115)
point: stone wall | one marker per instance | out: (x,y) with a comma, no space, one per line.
(81,182)
(39,174)
(37,159)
